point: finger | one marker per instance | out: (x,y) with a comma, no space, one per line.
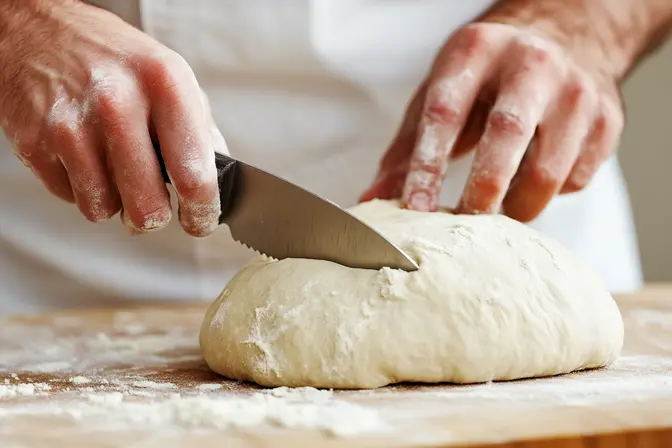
(179,118)
(84,162)
(548,163)
(526,85)
(457,77)
(393,167)
(122,120)
(49,170)
(598,147)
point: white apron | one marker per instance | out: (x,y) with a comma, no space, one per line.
(311,90)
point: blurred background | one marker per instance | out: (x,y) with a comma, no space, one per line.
(646,158)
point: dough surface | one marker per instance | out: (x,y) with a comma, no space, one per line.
(492,300)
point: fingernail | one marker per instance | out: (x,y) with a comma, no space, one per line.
(156,221)
(420,201)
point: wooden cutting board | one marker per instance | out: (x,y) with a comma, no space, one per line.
(102,378)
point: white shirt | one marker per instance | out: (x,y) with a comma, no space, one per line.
(311,90)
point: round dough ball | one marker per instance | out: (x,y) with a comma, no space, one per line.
(492,300)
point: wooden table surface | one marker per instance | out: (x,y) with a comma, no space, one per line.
(103,378)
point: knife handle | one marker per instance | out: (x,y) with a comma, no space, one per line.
(226,179)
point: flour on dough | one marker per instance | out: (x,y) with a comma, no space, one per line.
(492,300)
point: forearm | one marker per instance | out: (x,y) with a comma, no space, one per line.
(610,35)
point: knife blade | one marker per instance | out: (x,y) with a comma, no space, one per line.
(282,220)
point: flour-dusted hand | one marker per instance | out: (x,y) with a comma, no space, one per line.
(540,123)
(82,97)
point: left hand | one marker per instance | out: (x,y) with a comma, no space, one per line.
(540,122)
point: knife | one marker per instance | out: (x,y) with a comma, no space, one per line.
(281,220)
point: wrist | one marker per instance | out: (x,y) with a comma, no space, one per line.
(602,41)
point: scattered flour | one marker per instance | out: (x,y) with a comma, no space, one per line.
(303,408)
(332,417)
(128,340)
(207,387)
(17,390)
(142,393)
(309,394)
(152,385)
(631,378)
(112,398)
(24,389)
(79,380)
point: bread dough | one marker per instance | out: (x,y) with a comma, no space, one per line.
(492,300)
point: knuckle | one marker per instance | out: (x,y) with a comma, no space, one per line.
(111,113)
(68,135)
(581,174)
(606,130)
(600,126)
(580,93)
(507,122)
(166,70)
(438,111)
(537,55)
(575,184)
(428,164)
(489,185)
(189,185)
(110,88)
(107,102)
(473,37)
(532,55)
(537,52)
(417,179)
(544,178)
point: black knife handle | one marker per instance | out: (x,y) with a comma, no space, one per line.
(226,179)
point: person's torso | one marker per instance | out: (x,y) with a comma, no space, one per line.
(310,90)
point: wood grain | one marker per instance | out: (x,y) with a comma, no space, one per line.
(627,405)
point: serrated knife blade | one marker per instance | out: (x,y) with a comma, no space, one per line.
(282,220)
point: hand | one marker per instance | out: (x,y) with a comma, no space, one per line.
(539,123)
(83,95)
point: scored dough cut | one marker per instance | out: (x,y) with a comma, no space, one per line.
(492,300)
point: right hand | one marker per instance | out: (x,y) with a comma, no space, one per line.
(82,97)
